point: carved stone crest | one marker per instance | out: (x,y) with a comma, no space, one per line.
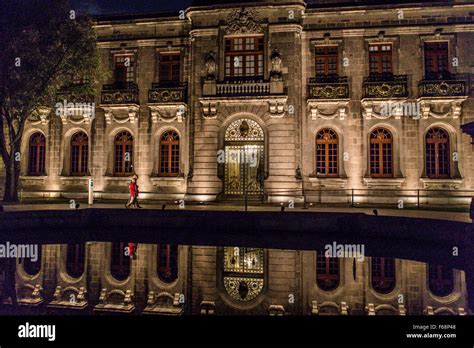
(243,21)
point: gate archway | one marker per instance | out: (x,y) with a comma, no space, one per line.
(244,143)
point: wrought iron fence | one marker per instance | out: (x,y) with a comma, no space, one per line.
(385,86)
(328,87)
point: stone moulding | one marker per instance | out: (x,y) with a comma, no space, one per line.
(168,112)
(121,114)
(115,301)
(373,108)
(441,107)
(62,298)
(327,109)
(34,299)
(164,304)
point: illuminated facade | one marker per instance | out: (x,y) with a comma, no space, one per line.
(175,280)
(277,99)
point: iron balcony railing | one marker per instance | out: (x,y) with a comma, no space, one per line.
(328,87)
(120,93)
(168,92)
(243,86)
(75,93)
(443,84)
(385,86)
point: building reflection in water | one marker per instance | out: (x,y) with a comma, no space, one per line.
(164,279)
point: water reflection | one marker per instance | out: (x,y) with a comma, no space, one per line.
(165,279)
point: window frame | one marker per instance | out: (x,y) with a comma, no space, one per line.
(37,154)
(433,70)
(326,58)
(323,151)
(437,142)
(378,61)
(172,162)
(231,49)
(380,145)
(171,78)
(171,267)
(127,73)
(326,274)
(126,169)
(383,277)
(82,150)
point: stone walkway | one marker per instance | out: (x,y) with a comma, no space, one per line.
(413,213)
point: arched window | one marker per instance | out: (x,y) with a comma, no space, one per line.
(381,153)
(167,262)
(326,153)
(123,165)
(243,272)
(37,154)
(75,259)
(437,153)
(79,154)
(169,154)
(32,267)
(327,272)
(383,274)
(120,263)
(440,280)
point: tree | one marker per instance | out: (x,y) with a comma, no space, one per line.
(43,45)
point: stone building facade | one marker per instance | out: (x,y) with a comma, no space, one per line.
(274,99)
(199,280)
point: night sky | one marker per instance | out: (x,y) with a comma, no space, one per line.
(105,7)
(110,7)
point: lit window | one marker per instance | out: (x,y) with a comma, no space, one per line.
(381,153)
(124,69)
(79,154)
(244,56)
(437,153)
(380,59)
(326,153)
(123,165)
(169,154)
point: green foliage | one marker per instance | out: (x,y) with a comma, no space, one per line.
(43,45)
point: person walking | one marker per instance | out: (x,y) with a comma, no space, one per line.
(133,188)
(136,192)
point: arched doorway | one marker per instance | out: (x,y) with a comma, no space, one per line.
(244,158)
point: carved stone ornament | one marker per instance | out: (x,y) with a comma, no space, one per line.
(276,64)
(211,66)
(243,21)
